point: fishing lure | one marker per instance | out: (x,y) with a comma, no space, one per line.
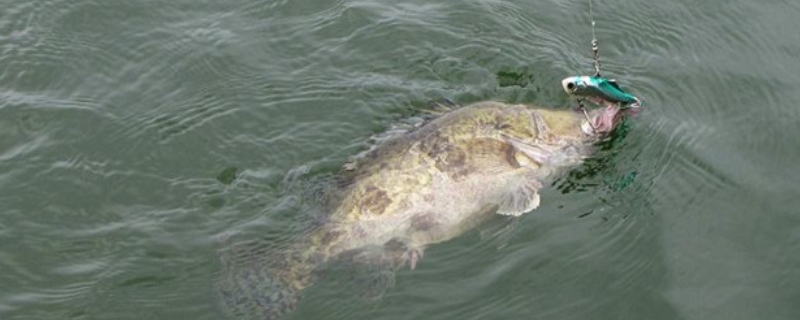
(598,88)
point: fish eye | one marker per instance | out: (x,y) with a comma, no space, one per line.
(570,85)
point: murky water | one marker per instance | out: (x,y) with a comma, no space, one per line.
(140,139)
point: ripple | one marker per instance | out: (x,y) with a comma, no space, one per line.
(23,149)
(680,176)
(168,126)
(50,296)
(116,120)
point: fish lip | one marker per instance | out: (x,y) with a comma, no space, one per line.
(607,119)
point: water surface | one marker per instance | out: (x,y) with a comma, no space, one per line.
(139,139)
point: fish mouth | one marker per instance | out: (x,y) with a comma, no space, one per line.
(606,119)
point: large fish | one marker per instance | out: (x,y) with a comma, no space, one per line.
(421,188)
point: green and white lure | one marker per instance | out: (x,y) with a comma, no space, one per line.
(599,89)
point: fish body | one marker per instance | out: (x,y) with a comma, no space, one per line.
(431,185)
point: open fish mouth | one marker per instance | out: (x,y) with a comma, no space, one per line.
(607,118)
(602,121)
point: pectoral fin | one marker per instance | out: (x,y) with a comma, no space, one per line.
(520,200)
(534,152)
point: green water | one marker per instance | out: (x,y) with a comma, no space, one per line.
(139,139)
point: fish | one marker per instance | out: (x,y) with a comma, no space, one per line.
(420,188)
(600,90)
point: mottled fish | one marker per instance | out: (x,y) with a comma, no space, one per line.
(424,187)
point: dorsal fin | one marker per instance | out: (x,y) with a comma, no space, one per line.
(614,84)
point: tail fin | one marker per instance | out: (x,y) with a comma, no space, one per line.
(257,283)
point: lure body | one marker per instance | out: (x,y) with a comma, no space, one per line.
(596,87)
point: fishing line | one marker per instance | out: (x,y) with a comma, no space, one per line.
(595,43)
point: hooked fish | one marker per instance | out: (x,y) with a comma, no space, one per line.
(424,187)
